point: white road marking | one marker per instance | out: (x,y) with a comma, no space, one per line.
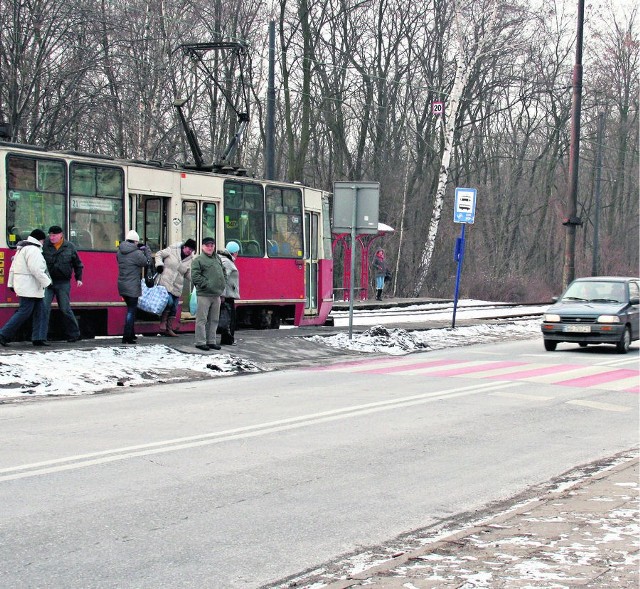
(116,454)
(522,396)
(600,406)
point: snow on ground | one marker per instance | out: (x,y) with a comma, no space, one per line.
(89,370)
(395,341)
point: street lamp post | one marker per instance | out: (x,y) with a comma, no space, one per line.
(573,221)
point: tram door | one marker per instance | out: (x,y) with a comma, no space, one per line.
(151,220)
(311,249)
(199,220)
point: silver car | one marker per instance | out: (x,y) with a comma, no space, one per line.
(595,310)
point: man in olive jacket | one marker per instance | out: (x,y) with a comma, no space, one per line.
(207,275)
(63,262)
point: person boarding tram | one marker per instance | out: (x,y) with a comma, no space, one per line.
(174,266)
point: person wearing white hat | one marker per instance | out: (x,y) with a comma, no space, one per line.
(231,292)
(132,258)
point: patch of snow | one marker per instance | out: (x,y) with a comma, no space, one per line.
(87,371)
(396,341)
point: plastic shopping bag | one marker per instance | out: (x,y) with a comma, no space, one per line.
(153,300)
(193,302)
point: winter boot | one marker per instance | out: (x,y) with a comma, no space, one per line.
(169,331)
(163,323)
(379,294)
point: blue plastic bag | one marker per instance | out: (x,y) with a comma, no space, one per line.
(193,302)
(153,300)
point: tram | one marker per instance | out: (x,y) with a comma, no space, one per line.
(283,230)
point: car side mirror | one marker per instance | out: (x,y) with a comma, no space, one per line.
(554,299)
(634,301)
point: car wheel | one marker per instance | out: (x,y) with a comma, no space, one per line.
(625,341)
(582,345)
(550,345)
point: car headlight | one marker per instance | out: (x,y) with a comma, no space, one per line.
(551,318)
(608,319)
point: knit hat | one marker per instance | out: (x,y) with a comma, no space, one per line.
(208,240)
(55,229)
(190,243)
(38,234)
(132,236)
(232,247)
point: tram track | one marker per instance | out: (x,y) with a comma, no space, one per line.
(438,310)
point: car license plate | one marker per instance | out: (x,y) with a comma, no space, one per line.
(578,328)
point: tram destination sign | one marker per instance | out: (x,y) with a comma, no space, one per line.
(356,203)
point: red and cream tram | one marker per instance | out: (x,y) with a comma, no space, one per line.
(283,231)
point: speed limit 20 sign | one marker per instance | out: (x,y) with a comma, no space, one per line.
(437,107)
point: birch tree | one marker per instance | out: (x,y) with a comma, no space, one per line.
(472,42)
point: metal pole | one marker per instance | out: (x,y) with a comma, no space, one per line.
(270,156)
(569,270)
(354,217)
(458,273)
(596,221)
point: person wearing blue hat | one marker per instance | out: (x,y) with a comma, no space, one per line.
(227,322)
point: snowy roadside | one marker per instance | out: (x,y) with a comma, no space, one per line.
(90,370)
(395,341)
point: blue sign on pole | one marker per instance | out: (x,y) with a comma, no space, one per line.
(464,210)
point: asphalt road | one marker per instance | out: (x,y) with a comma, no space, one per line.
(243,481)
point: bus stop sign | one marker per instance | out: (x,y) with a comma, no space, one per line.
(465,205)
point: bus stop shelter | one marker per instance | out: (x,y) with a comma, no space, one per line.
(366,242)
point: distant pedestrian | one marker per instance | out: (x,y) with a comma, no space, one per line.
(232,291)
(132,258)
(207,275)
(381,272)
(174,265)
(62,263)
(28,278)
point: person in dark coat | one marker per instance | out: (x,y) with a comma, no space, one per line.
(231,293)
(63,262)
(132,258)
(207,275)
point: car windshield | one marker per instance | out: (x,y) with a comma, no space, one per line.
(596,292)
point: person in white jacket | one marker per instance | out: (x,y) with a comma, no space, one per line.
(174,266)
(28,278)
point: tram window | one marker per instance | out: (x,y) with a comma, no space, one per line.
(209,221)
(189,220)
(150,221)
(97,212)
(311,236)
(244,217)
(284,222)
(35,196)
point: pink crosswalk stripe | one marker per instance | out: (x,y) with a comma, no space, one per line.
(353,363)
(596,379)
(477,368)
(406,367)
(534,372)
